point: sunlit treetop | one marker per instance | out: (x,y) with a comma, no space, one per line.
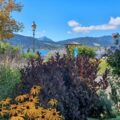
(8,25)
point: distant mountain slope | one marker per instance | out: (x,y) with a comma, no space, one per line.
(45,39)
(47,43)
(27,42)
(91,41)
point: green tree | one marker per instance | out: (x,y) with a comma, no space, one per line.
(113,54)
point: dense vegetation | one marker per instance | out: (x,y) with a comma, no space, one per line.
(9,79)
(83,86)
(82,50)
(29,55)
(6,48)
(28,107)
(70,87)
(8,25)
(80,85)
(114,55)
(70,82)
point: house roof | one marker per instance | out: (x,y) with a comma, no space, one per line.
(73,43)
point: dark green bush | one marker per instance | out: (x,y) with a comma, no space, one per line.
(114,55)
(9,78)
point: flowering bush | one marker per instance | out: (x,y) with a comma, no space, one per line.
(28,107)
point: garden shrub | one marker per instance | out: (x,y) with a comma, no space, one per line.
(115,90)
(29,55)
(114,60)
(107,105)
(114,55)
(70,81)
(83,50)
(6,48)
(103,66)
(9,78)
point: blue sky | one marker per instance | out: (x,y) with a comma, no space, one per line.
(64,19)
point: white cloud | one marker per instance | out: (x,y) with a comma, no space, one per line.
(73,23)
(113,23)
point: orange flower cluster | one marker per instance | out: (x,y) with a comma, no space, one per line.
(28,107)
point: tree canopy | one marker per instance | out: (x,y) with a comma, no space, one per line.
(8,25)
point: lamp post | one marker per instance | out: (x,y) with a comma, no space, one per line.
(33,29)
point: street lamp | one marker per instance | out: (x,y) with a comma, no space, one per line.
(33,29)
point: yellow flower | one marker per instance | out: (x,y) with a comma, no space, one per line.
(52,114)
(35,90)
(34,100)
(53,102)
(7,101)
(21,98)
(26,96)
(30,104)
(17,117)
(15,109)
(30,113)
(27,107)
(20,105)
(3,111)
(42,117)
(39,111)
(29,110)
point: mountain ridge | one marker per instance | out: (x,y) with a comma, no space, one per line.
(102,40)
(47,43)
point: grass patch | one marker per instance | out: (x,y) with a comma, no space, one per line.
(9,78)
